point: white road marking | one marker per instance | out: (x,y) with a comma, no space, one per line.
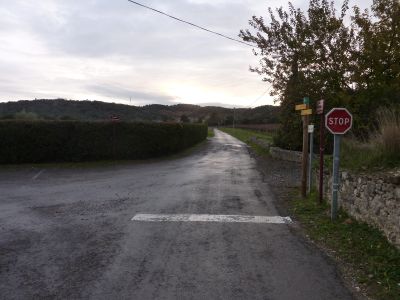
(211,218)
(234,145)
(38,174)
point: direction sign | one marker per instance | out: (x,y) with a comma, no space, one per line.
(338,120)
(300,106)
(306,112)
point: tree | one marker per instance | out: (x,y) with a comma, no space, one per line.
(24,115)
(316,54)
(376,58)
(301,55)
(228,120)
(185,119)
(214,119)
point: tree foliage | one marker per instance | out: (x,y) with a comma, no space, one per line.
(348,59)
(59,109)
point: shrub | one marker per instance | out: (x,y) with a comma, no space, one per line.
(61,141)
(381,150)
(388,134)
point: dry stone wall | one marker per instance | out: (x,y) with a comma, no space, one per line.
(285,154)
(371,198)
(277,152)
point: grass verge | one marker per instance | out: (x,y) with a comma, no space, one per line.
(244,135)
(210,133)
(374,262)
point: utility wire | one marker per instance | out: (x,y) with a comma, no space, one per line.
(191,24)
(259,97)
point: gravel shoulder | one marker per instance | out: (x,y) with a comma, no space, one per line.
(283,179)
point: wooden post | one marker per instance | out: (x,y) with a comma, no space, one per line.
(304,161)
(305,115)
(321,159)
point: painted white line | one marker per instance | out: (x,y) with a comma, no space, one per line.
(234,145)
(211,218)
(37,175)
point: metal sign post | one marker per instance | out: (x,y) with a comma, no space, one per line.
(335,183)
(310,159)
(338,121)
(320,112)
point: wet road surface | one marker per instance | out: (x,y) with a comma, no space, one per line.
(69,233)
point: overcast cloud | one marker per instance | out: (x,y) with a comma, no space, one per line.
(114,50)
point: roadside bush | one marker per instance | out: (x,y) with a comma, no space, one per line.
(381,150)
(388,134)
(72,141)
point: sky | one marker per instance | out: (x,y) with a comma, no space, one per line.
(119,52)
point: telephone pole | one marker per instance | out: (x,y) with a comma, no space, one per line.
(233,124)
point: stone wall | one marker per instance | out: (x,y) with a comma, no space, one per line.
(371,198)
(285,154)
(277,152)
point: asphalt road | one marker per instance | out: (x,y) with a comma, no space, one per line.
(68,233)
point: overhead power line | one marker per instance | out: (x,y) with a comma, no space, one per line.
(191,24)
(259,97)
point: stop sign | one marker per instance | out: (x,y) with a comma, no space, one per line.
(338,120)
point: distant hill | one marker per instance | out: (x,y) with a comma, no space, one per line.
(60,109)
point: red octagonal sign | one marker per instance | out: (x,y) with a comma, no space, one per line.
(338,120)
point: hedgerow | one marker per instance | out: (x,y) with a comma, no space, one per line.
(72,141)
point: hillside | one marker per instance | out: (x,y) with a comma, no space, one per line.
(60,109)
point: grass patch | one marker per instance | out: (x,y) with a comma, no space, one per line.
(210,132)
(375,262)
(245,134)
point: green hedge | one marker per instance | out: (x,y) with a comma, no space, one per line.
(62,141)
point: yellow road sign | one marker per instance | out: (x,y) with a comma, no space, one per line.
(300,106)
(306,112)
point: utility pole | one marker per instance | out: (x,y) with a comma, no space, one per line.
(233,125)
